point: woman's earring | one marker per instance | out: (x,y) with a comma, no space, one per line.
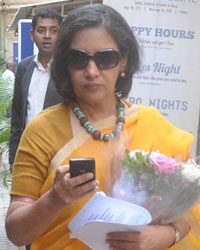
(122,74)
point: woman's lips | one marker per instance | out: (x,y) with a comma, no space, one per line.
(92,86)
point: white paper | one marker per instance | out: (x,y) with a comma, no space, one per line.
(103,214)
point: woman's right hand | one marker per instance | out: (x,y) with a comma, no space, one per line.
(27,219)
(66,191)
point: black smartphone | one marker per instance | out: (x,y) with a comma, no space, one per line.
(78,166)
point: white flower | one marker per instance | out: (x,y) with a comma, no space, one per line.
(191,171)
(153,154)
(133,153)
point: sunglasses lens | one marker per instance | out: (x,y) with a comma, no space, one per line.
(107,59)
(77,59)
(104,59)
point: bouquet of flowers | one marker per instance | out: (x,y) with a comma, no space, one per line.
(165,186)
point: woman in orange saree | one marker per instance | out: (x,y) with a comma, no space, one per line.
(95,59)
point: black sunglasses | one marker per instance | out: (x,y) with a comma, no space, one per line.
(104,59)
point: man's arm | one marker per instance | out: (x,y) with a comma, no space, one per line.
(16,116)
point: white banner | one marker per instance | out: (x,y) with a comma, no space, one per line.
(169,33)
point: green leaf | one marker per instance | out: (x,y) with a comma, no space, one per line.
(6,96)
(5,177)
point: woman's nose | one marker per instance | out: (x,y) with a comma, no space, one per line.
(91,69)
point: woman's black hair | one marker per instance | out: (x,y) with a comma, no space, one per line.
(89,16)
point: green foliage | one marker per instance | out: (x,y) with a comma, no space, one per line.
(143,173)
(4,133)
(2,62)
(5,177)
(137,166)
(6,95)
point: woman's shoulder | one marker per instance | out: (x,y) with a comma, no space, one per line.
(50,129)
(151,111)
(53,114)
(152,120)
(53,120)
(55,110)
(142,110)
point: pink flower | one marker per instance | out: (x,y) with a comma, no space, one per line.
(157,197)
(164,164)
(142,177)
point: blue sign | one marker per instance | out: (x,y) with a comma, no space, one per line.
(25,44)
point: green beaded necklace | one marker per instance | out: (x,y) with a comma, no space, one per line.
(96,134)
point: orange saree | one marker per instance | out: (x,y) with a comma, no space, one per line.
(145,129)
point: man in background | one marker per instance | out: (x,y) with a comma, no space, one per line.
(34,89)
(9,73)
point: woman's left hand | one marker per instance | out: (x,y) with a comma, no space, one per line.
(153,237)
